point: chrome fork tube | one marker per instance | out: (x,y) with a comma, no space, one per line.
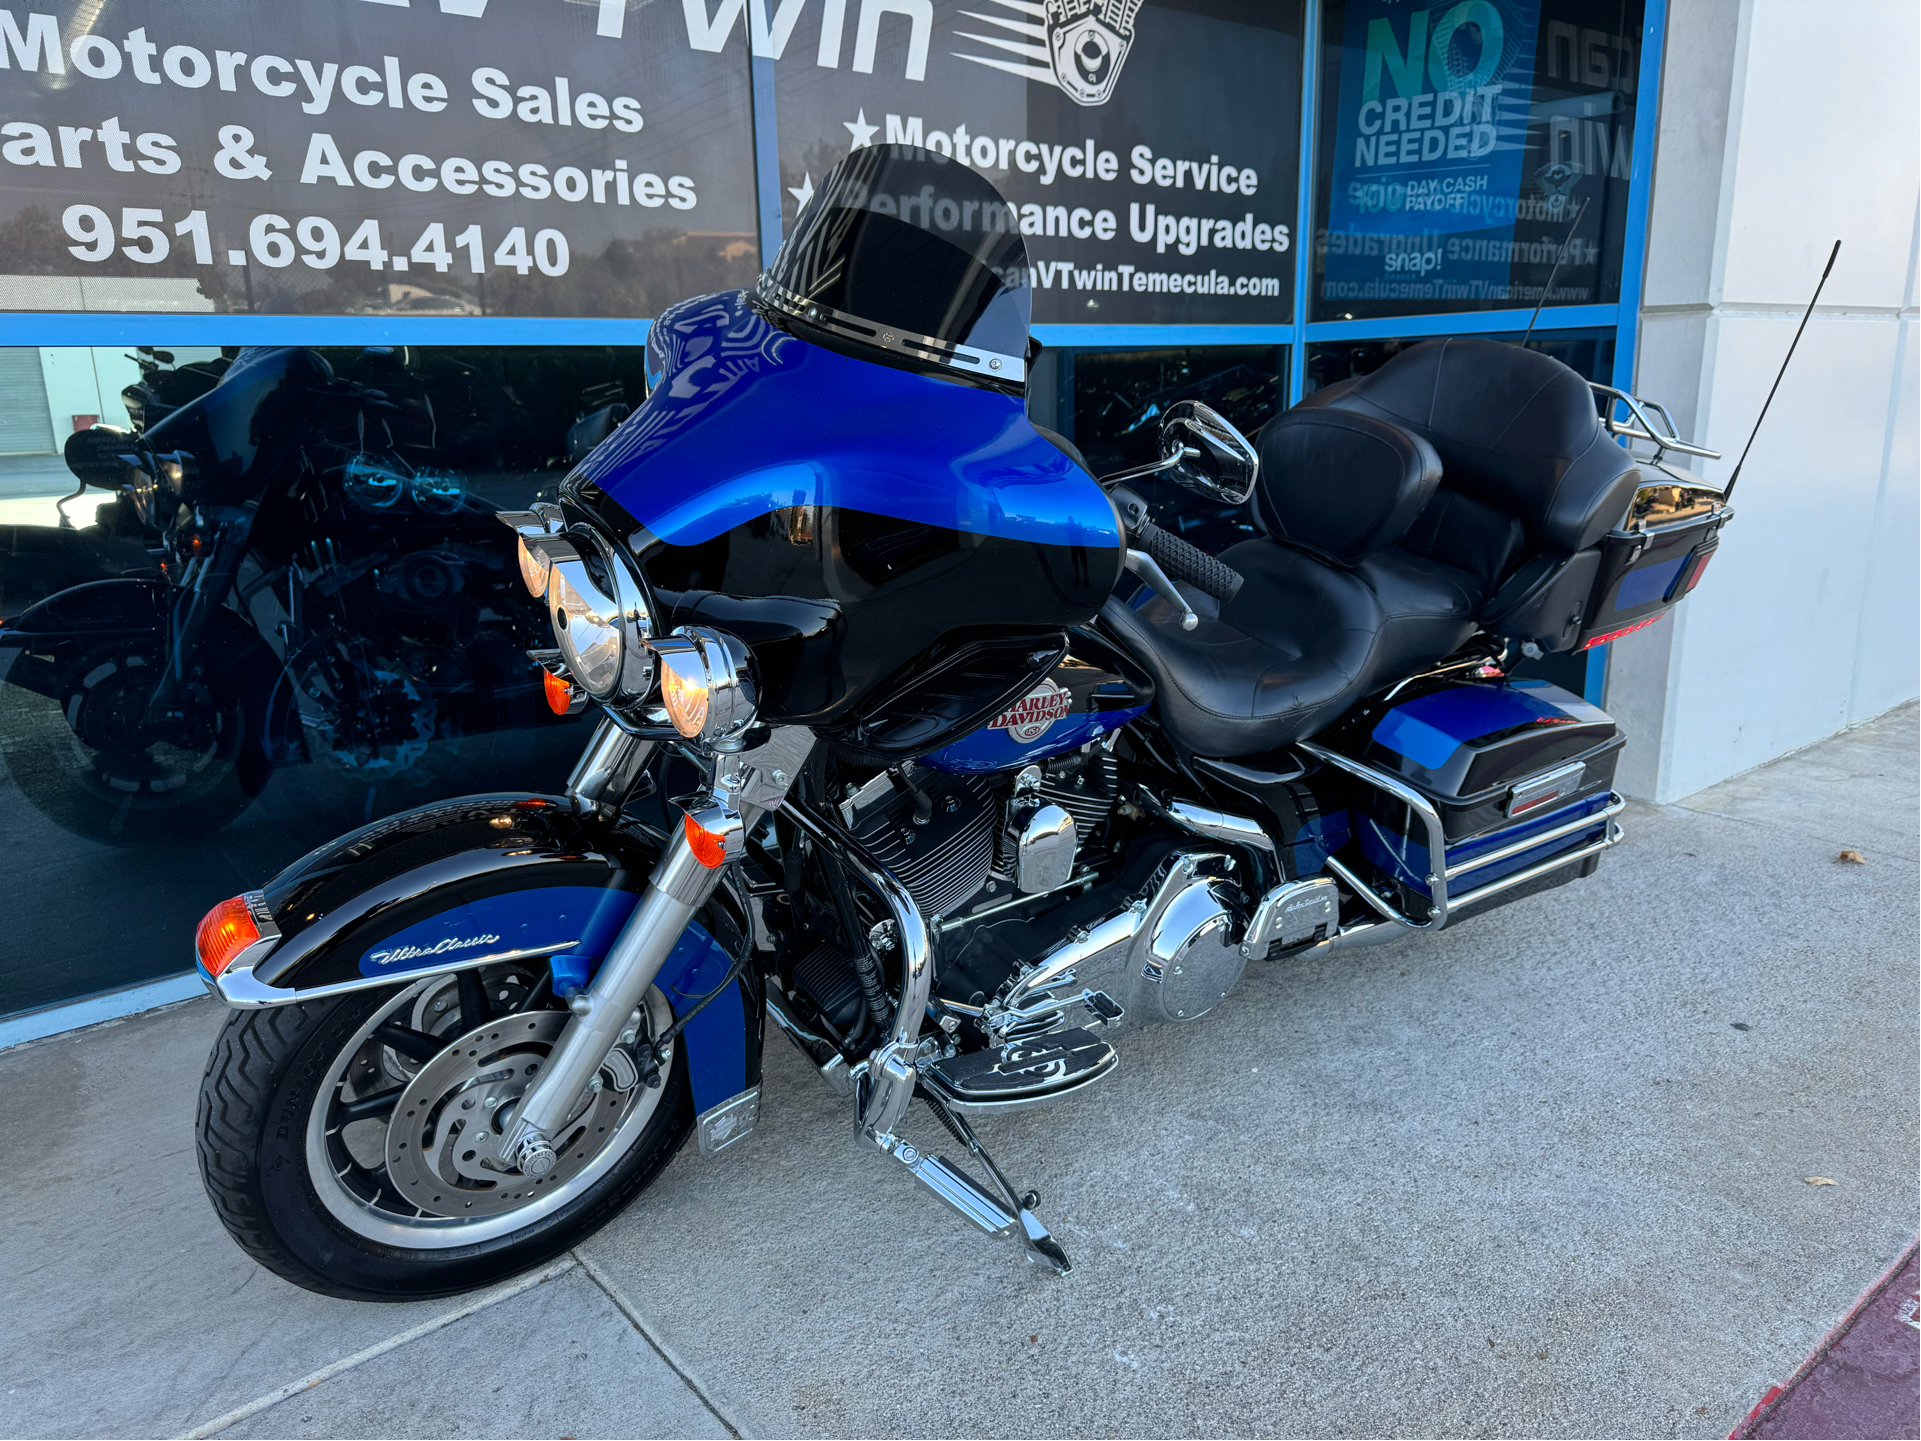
(891,1070)
(607,768)
(677,889)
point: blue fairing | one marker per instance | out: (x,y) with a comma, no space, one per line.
(744,419)
(585,920)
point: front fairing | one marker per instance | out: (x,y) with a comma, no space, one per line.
(890,511)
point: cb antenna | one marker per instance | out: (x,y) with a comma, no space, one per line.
(1559,256)
(1728,490)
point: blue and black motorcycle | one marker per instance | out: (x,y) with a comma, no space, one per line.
(926,745)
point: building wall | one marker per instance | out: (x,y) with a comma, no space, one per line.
(1784,125)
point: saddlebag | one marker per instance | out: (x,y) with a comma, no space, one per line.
(1502,764)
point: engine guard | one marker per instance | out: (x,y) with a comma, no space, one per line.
(485,879)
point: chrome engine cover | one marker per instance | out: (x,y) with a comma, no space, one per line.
(1170,956)
(1043,839)
(1192,959)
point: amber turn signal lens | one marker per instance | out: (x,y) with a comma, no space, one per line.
(709,849)
(560,695)
(225,931)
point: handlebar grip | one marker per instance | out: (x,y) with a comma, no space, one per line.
(1186,562)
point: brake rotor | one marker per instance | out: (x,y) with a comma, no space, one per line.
(445,1137)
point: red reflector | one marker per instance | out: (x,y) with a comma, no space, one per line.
(225,931)
(1536,803)
(709,849)
(560,695)
(1700,569)
(1624,630)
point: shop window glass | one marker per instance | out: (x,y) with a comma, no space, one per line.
(1110,404)
(364,651)
(1462,144)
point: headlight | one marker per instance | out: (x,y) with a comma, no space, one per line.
(706,685)
(371,482)
(438,492)
(534,566)
(599,614)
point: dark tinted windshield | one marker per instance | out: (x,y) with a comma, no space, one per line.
(911,242)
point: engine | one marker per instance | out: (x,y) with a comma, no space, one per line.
(967,843)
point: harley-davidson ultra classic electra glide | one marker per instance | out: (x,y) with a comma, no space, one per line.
(922,743)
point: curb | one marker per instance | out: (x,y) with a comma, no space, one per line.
(1760,1410)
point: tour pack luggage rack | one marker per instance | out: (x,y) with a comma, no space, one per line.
(1442,900)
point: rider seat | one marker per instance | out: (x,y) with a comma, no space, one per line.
(1395,509)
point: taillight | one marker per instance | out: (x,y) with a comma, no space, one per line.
(225,931)
(1624,630)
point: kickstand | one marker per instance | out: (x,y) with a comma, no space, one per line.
(1040,1245)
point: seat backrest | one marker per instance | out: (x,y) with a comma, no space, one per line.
(1340,484)
(1516,431)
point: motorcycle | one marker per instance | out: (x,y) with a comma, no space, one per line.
(925,746)
(310,598)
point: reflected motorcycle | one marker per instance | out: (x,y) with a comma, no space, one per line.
(927,747)
(311,599)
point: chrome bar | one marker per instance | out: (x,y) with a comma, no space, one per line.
(1535,872)
(1436,839)
(891,1069)
(1352,936)
(1670,441)
(1613,808)
(1439,900)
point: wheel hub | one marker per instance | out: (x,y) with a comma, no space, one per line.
(445,1145)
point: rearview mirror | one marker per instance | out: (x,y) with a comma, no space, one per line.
(1207,454)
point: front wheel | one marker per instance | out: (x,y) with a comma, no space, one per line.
(352,1145)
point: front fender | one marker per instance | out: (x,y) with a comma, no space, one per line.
(491,878)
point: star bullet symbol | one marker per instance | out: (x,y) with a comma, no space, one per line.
(804,191)
(862,132)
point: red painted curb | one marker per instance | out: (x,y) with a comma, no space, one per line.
(1750,1423)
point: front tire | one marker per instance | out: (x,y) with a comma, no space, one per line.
(271,1134)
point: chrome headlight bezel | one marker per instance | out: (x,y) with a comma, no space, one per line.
(718,666)
(597,607)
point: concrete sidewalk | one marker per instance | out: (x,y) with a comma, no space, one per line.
(1541,1175)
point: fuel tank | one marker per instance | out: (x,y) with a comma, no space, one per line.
(902,551)
(1091,690)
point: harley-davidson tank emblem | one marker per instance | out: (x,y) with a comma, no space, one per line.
(1080,44)
(1030,716)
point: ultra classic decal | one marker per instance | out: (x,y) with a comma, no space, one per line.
(543,919)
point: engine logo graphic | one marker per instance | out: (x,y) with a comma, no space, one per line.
(1029,717)
(1079,45)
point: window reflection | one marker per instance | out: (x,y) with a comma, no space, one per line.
(279,608)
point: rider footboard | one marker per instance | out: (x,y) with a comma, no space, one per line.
(1468,792)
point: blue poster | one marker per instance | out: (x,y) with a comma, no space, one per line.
(1430,135)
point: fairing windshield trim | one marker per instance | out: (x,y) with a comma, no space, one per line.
(971,359)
